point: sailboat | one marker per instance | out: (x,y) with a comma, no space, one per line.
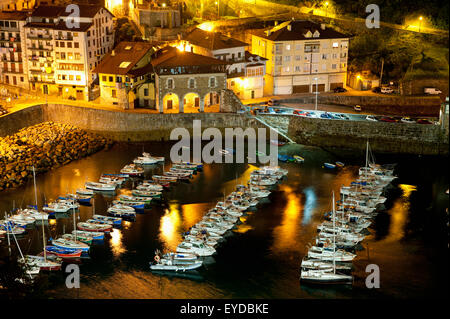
(322,276)
(39,261)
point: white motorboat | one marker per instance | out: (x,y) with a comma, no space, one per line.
(101,186)
(84,191)
(70,244)
(173,265)
(56,207)
(195,248)
(132,170)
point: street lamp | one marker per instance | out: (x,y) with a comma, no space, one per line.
(420,22)
(218,8)
(317,91)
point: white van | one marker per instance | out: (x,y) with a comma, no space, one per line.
(432,91)
(386,90)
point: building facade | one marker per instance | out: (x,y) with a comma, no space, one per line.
(187,80)
(13,48)
(302,55)
(245,71)
(62,55)
(126,76)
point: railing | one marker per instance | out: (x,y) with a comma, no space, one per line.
(39,36)
(64,38)
(236,74)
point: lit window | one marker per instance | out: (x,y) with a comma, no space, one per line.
(335,45)
(124,65)
(288,47)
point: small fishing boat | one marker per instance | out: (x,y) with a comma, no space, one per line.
(70,244)
(141,160)
(79,237)
(299,159)
(56,207)
(82,199)
(101,186)
(94,227)
(41,262)
(132,170)
(278,143)
(137,199)
(339,164)
(329,165)
(157,158)
(123,211)
(108,219)
(174,265)
(283,158)
(178,175)
(95,235)
(324,277)
(142,193)
(62,252)
(150,187)
(85,192)
(135,205)
(164,179)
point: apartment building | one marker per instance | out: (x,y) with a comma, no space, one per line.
(126,76)
(302,55)
(61,56)
(12,47)
(245,71)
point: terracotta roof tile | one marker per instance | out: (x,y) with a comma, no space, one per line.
(213,40)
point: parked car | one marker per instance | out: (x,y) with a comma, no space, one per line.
(3,111)
(343,116)
(299,112)
(272,102)
(423,121)
(386,90)
(270,110)
(311,114)
(357,108)
(432,91)
(389,119)
(376,89)
(407,120)
(371,118)
(339,89)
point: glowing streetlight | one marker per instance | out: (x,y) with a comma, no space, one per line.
(218,8)
(163,5)
(420,22)
(326,8)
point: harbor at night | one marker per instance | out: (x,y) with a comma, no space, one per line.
(224,158)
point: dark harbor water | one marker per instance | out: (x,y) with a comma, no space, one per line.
(261,258)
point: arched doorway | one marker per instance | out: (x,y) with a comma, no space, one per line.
(191,102)
(171,103)
(211,99)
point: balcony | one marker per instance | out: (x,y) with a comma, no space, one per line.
(236,74)
(39,36)
(40,48)
(62,38)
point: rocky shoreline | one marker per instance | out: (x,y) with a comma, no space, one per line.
(47,145)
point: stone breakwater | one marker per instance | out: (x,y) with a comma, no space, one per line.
(46,146)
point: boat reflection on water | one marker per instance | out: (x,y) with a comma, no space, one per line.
(310,204)
(191,275)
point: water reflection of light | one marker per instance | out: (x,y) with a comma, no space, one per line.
(76,172)
(193,213)
(169,227)
(116,242)
(126,224)
(399,213)
(286,233)
(310,204)
(52,221)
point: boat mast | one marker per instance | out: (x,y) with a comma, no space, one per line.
(367,154)
(18,247)
(7,233)
(334,236)
(42,217)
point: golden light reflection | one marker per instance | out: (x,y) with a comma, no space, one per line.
(169,227)
(126,224)
(193,213)
(52,221)
(286,233)
(206,26)
(116,242)
(399,213)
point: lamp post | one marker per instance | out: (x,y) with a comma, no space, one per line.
(317,90)
(218,8)
(420,22)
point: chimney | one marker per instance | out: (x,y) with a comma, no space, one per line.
(113,53)
(322,26)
